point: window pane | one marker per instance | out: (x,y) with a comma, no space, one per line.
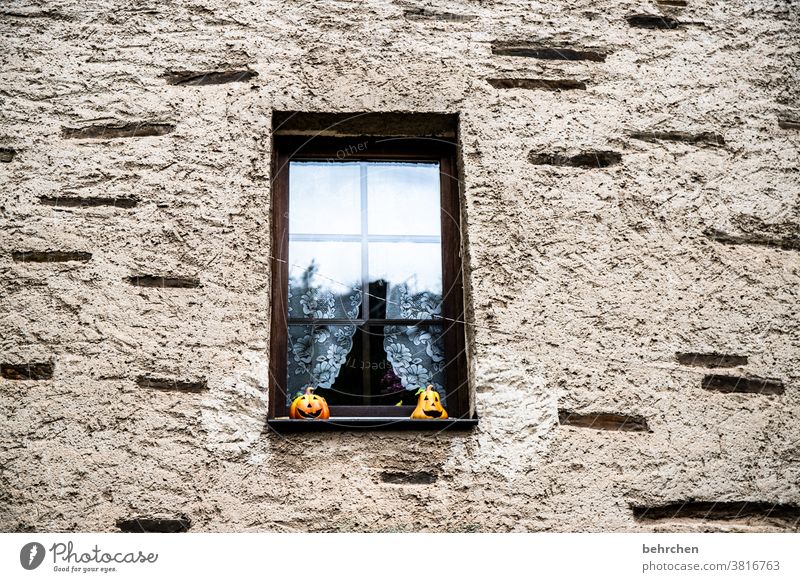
(410,275)
(324,197)
(403,198)
(324,279)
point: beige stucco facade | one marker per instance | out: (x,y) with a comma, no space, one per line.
(582,282)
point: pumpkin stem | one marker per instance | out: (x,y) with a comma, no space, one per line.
(310,390)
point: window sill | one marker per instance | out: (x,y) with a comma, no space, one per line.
(349,423)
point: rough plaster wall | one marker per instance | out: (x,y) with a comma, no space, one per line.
(584,282)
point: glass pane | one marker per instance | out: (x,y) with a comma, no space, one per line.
(331,237)
(324,198)
(403,198)
(410,277)
(324,279)
(316,356)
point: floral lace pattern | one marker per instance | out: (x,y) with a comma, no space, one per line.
(402,304)
(317,352)
(316,355)
(319,303)
(415,352)
(416,355)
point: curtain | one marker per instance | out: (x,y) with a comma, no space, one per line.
(317,352)
(414,351)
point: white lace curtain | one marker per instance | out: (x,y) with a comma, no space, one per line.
(317,352)
(415,352)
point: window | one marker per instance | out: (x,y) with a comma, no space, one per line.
(367,294)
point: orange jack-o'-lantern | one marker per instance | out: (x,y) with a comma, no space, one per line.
(309,406)
(429,406)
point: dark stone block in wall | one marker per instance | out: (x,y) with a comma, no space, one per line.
(592,159)
(154,524)
(653,21)
(198,78)
(409,478)
(537,51)
(164,282)
(541,84)
(710,360)
(172,384)
(118,130)
(743,385)
(424,14)
(682,136)
(604,421)
(718,510)
(50,256)
(88,201)
(27,371)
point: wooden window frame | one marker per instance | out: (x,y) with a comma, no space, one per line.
(287,148)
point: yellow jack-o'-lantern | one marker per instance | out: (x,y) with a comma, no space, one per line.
(309,406)
(429,406)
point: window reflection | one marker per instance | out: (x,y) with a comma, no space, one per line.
(324,198)
(403,199)
(324,279)
(412,273)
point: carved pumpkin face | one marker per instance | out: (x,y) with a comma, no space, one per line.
(309,406)
(429,406)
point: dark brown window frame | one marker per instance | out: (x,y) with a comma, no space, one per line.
(288,148)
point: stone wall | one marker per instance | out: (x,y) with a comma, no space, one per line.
(631,190)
